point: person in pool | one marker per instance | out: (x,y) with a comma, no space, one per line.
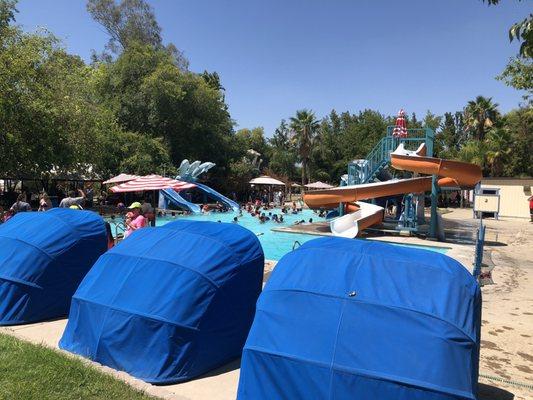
(235,220)
(136,220)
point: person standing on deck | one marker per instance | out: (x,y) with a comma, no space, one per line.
(531,208)
(44,202)
(21,205)
(71,200)
(89,197)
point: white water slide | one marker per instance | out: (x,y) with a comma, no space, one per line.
(350,225)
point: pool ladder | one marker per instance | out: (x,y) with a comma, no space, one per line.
(120,228)
(296,245)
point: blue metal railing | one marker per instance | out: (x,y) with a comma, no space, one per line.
(379,156)
(480,244)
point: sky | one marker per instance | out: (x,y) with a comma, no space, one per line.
(278,56)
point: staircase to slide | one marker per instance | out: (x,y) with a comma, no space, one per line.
(373,167)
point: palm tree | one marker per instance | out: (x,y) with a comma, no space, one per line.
(304,126)
(498,150)
(480,115)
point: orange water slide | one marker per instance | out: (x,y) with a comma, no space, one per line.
(451,173)
(331,198)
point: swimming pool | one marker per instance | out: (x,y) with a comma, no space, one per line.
(275,244)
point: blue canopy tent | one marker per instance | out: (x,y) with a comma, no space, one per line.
(169,303)
(353,319)
(43,258)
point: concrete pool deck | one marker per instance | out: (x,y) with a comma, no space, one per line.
(507,325)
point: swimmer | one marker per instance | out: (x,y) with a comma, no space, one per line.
(235,220)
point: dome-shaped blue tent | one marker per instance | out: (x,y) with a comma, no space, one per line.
(43,258)
(353,319)
(169,303)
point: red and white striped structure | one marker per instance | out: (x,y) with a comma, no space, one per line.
(151,182)
(400,128)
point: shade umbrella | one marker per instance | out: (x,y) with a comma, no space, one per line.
(151,182)
(400,128)
(121,178)
(319,185)
(266,180)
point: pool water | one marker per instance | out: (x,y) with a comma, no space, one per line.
(275,244)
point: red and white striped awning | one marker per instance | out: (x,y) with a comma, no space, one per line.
(151,182)
(400,129)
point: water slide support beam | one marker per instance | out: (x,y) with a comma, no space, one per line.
(434,199)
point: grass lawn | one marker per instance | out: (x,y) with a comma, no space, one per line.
(29,371)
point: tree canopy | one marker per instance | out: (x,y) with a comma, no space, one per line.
(140,110)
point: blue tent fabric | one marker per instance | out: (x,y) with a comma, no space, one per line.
(43,258)
(169,303)
(355,319)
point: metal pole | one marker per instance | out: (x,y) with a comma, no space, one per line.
(434,199)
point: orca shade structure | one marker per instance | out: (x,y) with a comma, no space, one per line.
(169,303)
(353,319)
(43,258)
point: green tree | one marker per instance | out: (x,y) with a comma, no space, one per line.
(519,74)
(304,126)
(519,124)
(131,22)
(7,13)
(52,118)
(38,91)
(498,150)
(522,31)
(480,115)
(450,135)
(149,94)
(473,151)
(253,139)
(519,71)
(327,163)
(282,154)
(361,132)
(431,121)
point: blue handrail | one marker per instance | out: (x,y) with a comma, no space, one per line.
(379,157)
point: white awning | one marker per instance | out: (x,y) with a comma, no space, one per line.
(319,185)
(266,180)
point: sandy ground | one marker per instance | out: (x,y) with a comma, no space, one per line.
(507,321)
(507,317)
